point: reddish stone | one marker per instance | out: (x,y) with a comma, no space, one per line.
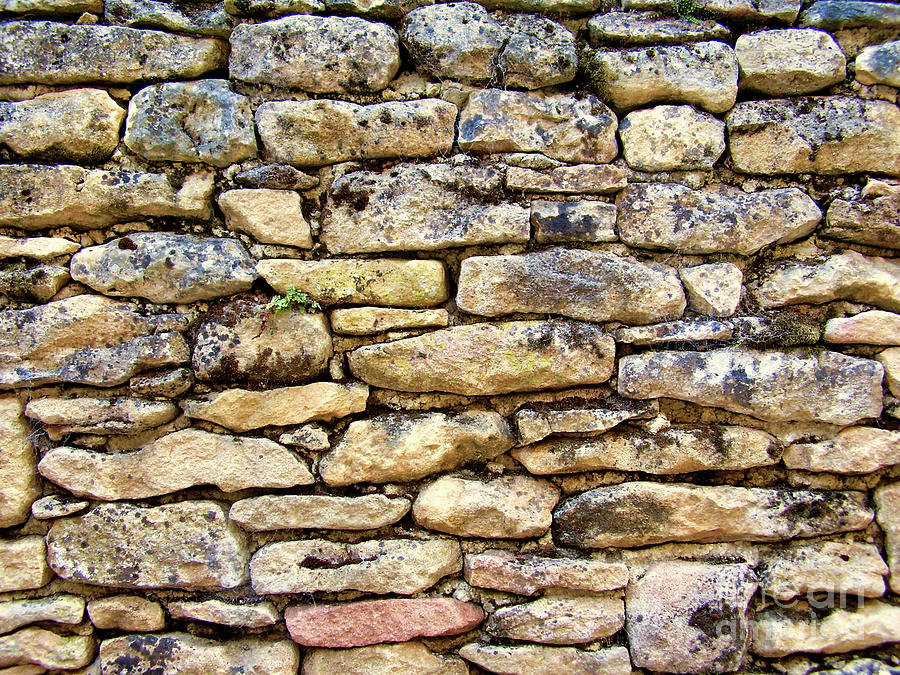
(356,624)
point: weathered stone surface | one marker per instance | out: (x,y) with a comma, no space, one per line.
(58,53)
(678,449)
(527,575)
(245,343)
(51,6)
(373,320)
(269,216)
(257,615)
(46,649)
(852,450)
(675,331)
(580,284)
(408,447)
(406,657)
(514,507)
(861,667)
(737,10)
(23,564)
(401,566)
(703,74)
(200,121)
(490,358)
(273,8)
(243,410)
(164,267)
(276,177)
(875,327)
(375,9)
(86,339)
(789,61)
(537,52)
(879,64)
(689,617)
(66,609)
(183,653)
(36,284)
(372,621)
(34,197)
(559,621)
(713,289)
(630,28)
(420,207)
(771,385)
(317,512)
(832,567)
(573,221)
(57,506)
(556,125)
(130,613)
(819,134)
(876,222)
(309,436)
(200,18)
(887,499)
(578,179)
(19,483)
(319,132)
(846,276)
(838,14)
(779,632)
(98,415)
(175,462)
(532,660)
(642,513)
(579,417)
(890,359)
(674,217)
(80,125)
(317,54)
(168,384)
(39,248)
(671,137)
(119,545)
(391,282)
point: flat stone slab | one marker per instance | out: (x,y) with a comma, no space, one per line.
(38,248)
(887,499)
(559,620)
(835,15)
(582,179)
(45,649)
(374,320)
(735,10)
(875,222)
(64,609)
(851,450)
(257,615)
(873,327)
(556,222)
(527,575)
(713,289)
(789,61)
(103,416)
(19,482)
(579,417)
(648,28)
(534,660)
(317,512)
(406,657)
(130,613)
(675,331)
(200,19)
(268,215)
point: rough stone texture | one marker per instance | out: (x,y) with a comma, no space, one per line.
(820,134)
(23,564)
(256,615)
(778,632)
(46,649)
(376,9)
(875,222)
(648,28)
(879,64)
(309,436)
(537,52)
(533,660)
(391,282)
(580,418)
(243,410)
(34,197)
(671,137)
(406,657)
(513,507)
(183,653)
(163,267)
(317,512)
(580,284)
(61,416)
(245,343)
(201,18)
(642,513)
(420,207)
(273,8)
(191,122)
(599,179)
(369,622)
(689,617)
(401,566)
(559,621)
(30,7)
(556,222)
(852,450)
(675,331)
(39,248)
(175,462)
(875,327)
(527,575)
(890,359)
(317,54)
(67,609)
(887,499)
(678,449)
(168,384)
(839,14)
(722,219)
(557,125)
(130,613)
(275,177)
(373,320)
(19,484)
(57,53)
(80,125)
(735,10)
(36,284)
(846,276)
(269,216)
(788,62)
(408,447)
(57,506)
(490,358)
(703,74)
(119,545)
(319,132)
(770,385)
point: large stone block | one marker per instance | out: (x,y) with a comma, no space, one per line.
(19,483)
(559,620)
(875,222)
(317,512)
(789,61)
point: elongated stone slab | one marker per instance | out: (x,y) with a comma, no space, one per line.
(678,449)
(876,222)
(127,613)
(852,450)
(490,358)
(581,284)
(65,609)
(643,513)
(559,621)
(175,462)
(675,331)
(573,221)
(835,15)
(317,512)
(579,418)
(39,248)
(734,10)
(374,320)
(874,327)
(584,179)
(632,28)
(19,482)
(420,207)
(408,447)
(534,660)
(771,385)
(401,566)
(887,499)
(120,545)
(34,196)
(200,19)
(527,575)
(387,659)
(257,615)
(46,649)
(673,217)
(102,416)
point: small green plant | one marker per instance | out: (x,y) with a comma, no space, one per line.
(294,299)
(690,10)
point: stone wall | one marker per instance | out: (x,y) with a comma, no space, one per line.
(388,337)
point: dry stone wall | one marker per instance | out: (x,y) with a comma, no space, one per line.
(393,337)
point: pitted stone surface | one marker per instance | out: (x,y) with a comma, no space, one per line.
(601,179)
(269,216)
(534,660)
(713,289)
(559,621)
(633,28)
(789,61)
(671,137)
(527,575)
(201,18)
(875,222)
(840,14)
